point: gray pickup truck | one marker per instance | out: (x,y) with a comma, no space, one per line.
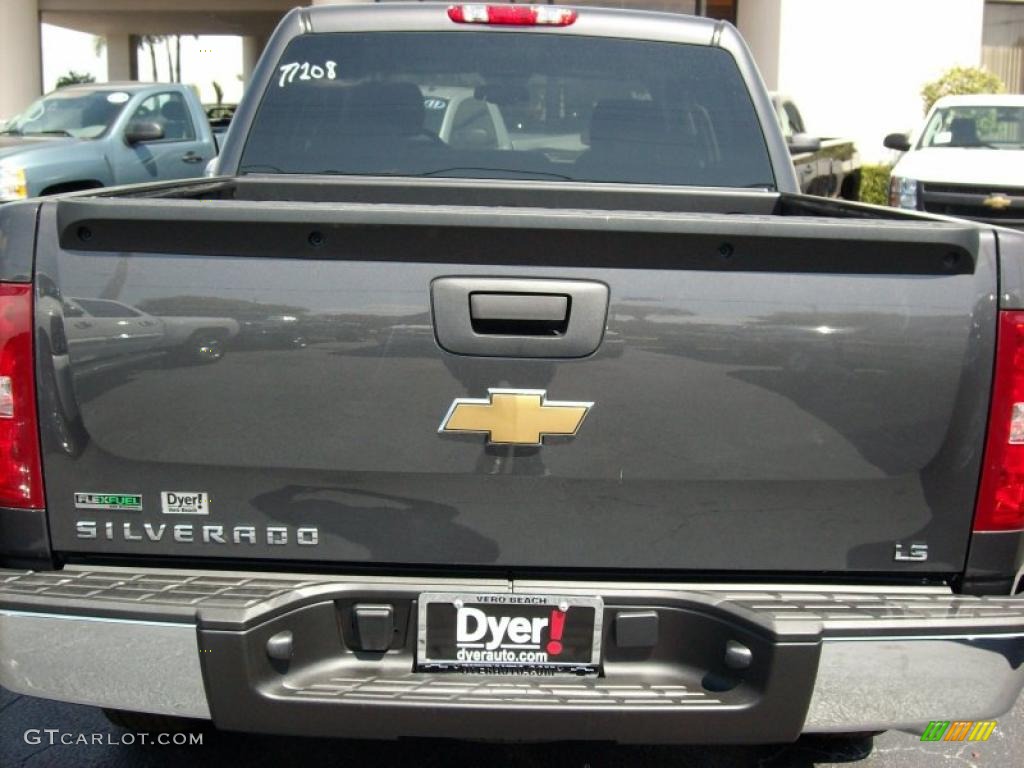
(618,437)
(90,136)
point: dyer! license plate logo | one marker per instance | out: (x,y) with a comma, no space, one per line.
(509,633)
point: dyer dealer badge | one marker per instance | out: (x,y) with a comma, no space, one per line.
(509,632)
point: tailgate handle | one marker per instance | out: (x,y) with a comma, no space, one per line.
(518,317)
(530,314)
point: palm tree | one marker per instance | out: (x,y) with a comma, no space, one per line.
(170,59)
(151,41)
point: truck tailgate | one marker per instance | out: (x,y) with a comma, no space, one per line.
(772,394)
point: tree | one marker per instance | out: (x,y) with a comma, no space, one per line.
(73,78)
(173,57)
(219,91)
(960,81)
(170,59)
(150,42)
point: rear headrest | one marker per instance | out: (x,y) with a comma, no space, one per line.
(627,120)
(173,110)
(390,109)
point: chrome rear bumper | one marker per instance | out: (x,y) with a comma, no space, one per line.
(145,666)
(880,683)
(825,658)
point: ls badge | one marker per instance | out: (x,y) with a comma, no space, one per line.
(514,416)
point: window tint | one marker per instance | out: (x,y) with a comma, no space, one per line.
(170,112)
(573,108)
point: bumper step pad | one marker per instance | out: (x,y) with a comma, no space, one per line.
(224,599)
(480,689)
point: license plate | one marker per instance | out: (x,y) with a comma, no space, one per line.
(505,632)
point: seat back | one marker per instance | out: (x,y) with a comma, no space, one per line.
(383,109)
(964,132)
(175,120)
(637,139)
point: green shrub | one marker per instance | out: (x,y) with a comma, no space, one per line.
(874,184)
(74,78)
(961,81)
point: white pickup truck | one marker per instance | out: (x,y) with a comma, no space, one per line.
(967,160)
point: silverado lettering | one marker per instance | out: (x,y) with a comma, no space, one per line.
(187,533)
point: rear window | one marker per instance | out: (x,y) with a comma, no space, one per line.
(499,105)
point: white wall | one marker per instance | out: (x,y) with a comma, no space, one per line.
(759,23)
(856,67)
(21,71)
(66,49)
(203,59)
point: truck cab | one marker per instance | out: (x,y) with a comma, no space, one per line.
(90,136)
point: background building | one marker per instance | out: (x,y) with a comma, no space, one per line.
(855,67)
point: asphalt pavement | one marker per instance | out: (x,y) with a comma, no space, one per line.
(24,743)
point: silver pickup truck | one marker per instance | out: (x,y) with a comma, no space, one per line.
(101,135)
(606,435)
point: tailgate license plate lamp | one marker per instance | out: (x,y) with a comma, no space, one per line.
(509,633)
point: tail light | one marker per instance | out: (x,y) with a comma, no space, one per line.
(512,15)
(1001,496)
(20,473)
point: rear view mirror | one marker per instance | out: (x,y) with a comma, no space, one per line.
(799,143)
(898,141)
(141,131)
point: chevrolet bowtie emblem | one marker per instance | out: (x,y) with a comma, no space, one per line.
(514,416)
(997,202)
